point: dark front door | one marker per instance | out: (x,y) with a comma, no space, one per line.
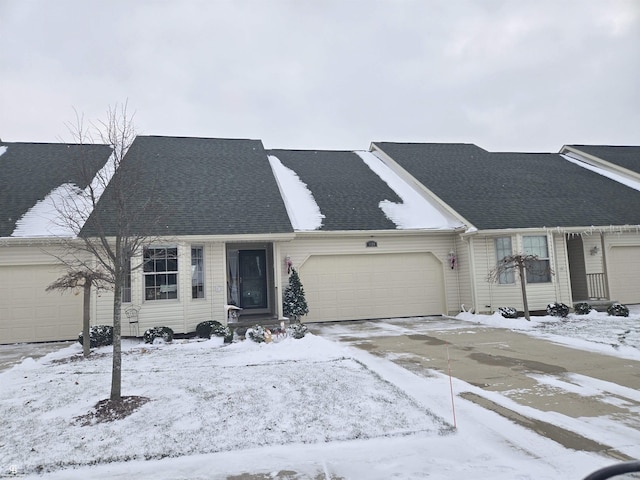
(253,279)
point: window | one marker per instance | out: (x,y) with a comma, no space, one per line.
(160,269)
(126,287)
(503,249)
(197,272)
(538,271)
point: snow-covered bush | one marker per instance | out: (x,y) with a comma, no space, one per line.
(164,334)
(582,308)
(557,310)
(211,327)
(508,312)
(99,336)
(297,330)
(258,334)
(618,310)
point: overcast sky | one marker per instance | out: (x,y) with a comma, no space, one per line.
(525,75)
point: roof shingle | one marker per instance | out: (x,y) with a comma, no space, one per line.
(516,190)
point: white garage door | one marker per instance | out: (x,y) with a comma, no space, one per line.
(353,287)
(30,314)
(624,274)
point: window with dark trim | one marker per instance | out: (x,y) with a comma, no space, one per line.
(160,269)
(197,272)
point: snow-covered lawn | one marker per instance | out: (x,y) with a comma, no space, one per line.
(311,406)
(596,331)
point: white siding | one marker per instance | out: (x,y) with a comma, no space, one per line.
(181,314)
(491,295)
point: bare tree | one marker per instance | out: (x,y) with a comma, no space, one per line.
(107,223)
(84,279)
(520,262)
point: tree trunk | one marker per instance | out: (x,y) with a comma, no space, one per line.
(523,285)
(116,370)
(86,318)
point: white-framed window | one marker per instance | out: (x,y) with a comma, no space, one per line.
(503,249)
(538,271)
(160,269)
(197,272)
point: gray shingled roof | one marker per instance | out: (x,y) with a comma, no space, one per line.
(30,171)
(516,190)
(624,156)
(196,186)
(344,187)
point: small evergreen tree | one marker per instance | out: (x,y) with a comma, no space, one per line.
(294,304)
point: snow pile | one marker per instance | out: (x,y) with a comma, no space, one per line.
(414,211)
(302,208)
(63,212)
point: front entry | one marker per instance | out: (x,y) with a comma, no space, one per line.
(250,278)
(253,279)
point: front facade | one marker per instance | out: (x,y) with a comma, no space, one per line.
(401,230)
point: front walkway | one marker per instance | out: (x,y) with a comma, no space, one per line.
(523,378)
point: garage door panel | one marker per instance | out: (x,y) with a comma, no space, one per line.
(29,313)
(350,287)
(624,274)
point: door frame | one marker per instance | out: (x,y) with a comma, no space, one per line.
(234,290)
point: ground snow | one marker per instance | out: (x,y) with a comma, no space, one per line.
(313,406)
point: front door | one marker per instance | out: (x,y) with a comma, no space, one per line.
(253,279)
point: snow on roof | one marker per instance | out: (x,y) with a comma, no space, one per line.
(3,149)
(415,211)
(302,208)
(577,159)
(63,212)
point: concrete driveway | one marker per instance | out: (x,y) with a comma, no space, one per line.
(522,368)
(15,353)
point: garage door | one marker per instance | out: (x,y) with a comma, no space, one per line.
(30,314)
(353,287)
(624,274)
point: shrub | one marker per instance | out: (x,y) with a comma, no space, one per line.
(557,310)
(582,308)
(508,312)
(618,310)
(211,327)
(297,330)
(99,336)
(163,333)
(258,334)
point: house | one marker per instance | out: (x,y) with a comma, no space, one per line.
(214,223)
(579,223)
(403,229)
(379,248)
(620,246)
(228,226)
(33,176)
